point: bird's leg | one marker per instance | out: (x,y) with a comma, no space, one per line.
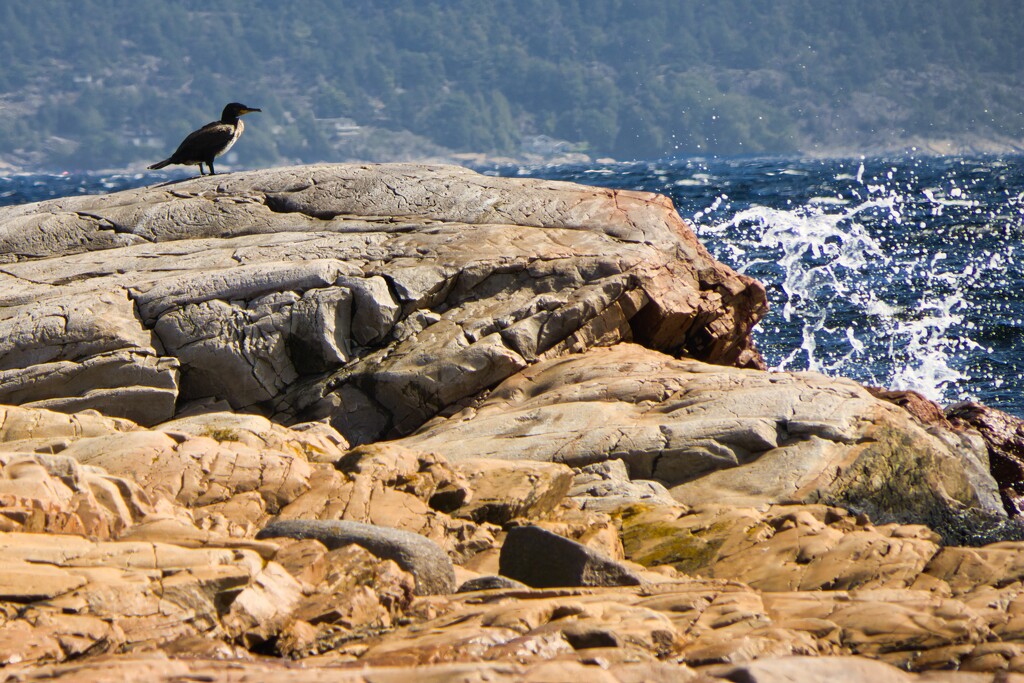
(210,164)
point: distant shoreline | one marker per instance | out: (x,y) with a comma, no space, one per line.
(969,146)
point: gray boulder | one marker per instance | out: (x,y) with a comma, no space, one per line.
(421,557)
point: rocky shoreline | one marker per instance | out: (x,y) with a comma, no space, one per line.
(339,421)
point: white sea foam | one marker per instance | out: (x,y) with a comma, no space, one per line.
(925,346)
(830,267)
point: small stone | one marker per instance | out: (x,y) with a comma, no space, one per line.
(487,583)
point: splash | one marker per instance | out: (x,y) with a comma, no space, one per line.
(899,273)
(852,292)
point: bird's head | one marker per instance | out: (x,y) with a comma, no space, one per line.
(236,109)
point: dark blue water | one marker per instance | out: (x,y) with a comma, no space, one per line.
(897,273)
(37,187)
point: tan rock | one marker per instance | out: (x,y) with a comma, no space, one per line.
(344,606)
(233,471)
(164,557)
(503,491)
(20,642)
(783,548)
(595,530)
(208,471)
(265,606)
(55,494)
(964,569)
(582,620)
(21,581)
(183,533)
(356,595)
(196,471)
(428,563)
(27,429)
(159,668)
(726,436)
(314,441)
(289,292)
(389,486)
(78,597)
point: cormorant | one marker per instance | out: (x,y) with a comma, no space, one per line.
(210,141)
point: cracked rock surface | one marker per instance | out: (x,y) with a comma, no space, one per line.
(376,296)
(716,434)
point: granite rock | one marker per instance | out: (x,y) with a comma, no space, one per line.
(423,373)
(374,296)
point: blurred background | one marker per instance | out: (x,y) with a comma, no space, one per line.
(107,84)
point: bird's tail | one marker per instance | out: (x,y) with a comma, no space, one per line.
(160,164)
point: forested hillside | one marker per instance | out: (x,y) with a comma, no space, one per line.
(106,83)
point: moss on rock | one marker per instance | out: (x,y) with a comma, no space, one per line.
(653,535)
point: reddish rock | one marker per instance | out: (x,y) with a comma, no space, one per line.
(1004,435)
(924,409)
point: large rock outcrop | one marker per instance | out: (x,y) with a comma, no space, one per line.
(716,434)
(376,296)
(816,582)
(547,381)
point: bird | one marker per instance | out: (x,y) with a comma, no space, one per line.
(204,145)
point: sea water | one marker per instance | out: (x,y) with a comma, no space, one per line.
(900,273)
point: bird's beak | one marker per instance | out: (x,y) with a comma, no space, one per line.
(249,111)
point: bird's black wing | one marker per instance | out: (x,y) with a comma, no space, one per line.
(203,144)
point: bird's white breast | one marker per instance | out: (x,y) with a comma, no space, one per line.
(239,127)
